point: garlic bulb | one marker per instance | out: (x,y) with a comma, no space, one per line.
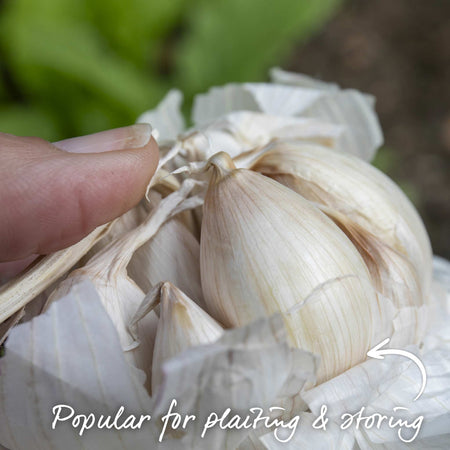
(181,325)
(356,189)
(310,256)
(264,249)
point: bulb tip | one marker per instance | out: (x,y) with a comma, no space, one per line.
(222,164)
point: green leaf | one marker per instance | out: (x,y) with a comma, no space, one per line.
(385,159)
(235,40)
(96,63)
(135,28)
(76,54)
(28,121)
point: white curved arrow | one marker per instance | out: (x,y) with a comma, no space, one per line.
(377,353)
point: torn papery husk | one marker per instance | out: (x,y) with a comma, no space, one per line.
(348,108)
(120,295)
(16,293)
(247,367)
(239,117)
(382,385)
(167,117)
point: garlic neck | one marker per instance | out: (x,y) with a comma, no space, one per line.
(222,165)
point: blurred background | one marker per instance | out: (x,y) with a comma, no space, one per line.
(72,67)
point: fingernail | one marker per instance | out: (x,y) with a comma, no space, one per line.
(133,136)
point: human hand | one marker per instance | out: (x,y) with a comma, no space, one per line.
(52,195)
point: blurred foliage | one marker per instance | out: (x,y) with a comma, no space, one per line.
(72,67)
(385,159)
(388,160)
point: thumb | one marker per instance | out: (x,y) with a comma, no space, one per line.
(52,195)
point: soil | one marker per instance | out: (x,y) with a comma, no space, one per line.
(399,51)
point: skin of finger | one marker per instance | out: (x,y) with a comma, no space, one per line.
(52,199)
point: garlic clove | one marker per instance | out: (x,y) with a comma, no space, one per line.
(396,282)
(182,324)
(391,272)
(264,249)
(357,190)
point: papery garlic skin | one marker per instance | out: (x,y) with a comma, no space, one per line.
(119,294)
(126,222)
(241,131)
(350,109)
(264,249)
(120,297)
(357,190)
(396,281)
(166,119)
(173,254)
(19,291)
(391,272)
(182,324)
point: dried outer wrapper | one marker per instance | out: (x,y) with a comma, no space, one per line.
(241,131)
(274,99)
(350,109)
(166,119)
(68,355)
(246,368)
(353,110)
(120,297)
(173,254)
(124,223)
(119,294)
(381,385)
(15,294)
